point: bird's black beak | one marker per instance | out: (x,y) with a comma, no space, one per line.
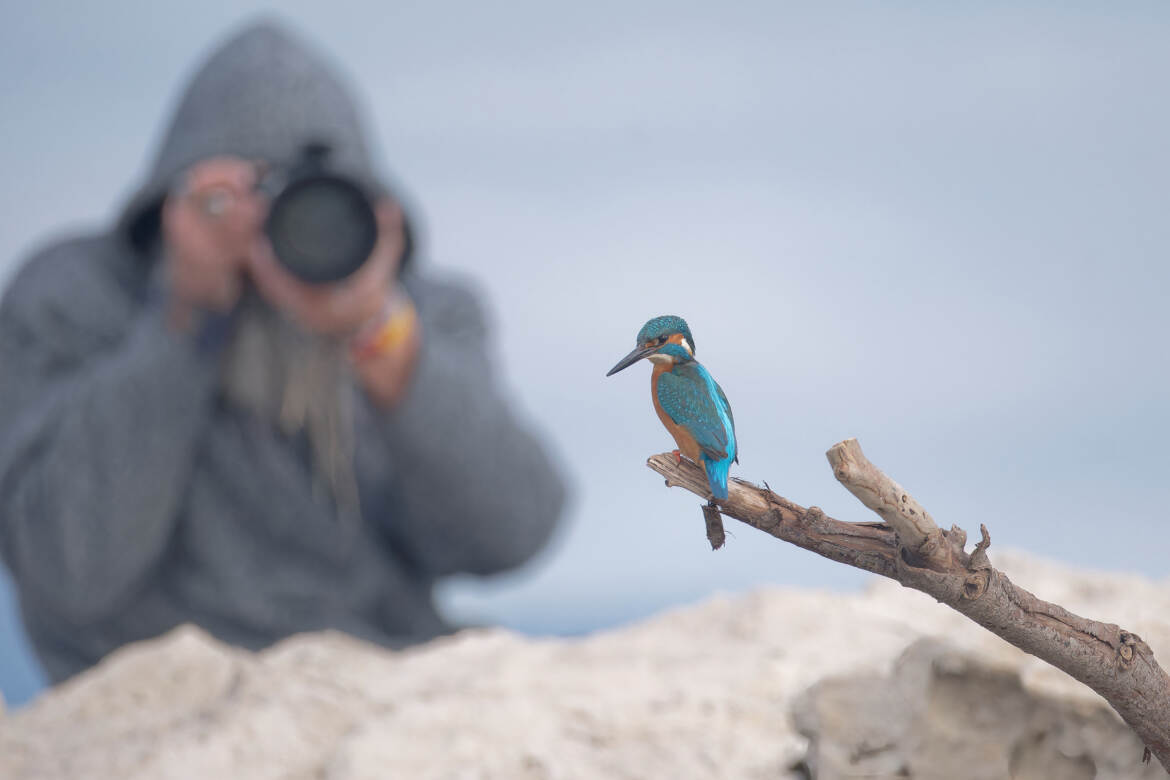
(632,358)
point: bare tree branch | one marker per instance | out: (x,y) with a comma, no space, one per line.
(910,548)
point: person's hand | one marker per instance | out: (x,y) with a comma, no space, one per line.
(341,308)
(210,224)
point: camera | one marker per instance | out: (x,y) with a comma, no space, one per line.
(320,223)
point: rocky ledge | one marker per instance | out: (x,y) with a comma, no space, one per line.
(781,683)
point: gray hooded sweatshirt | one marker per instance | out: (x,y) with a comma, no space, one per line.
(135,495)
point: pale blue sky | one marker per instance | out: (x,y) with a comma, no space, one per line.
(938,228)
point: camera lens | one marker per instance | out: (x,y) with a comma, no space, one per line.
(322,228)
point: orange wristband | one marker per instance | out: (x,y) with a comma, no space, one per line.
(398,323)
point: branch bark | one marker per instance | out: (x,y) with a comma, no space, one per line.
(910,548)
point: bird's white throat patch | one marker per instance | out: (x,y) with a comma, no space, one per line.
(657,358)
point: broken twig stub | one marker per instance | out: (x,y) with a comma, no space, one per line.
(715,534)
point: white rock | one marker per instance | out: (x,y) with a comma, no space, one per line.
(701,692)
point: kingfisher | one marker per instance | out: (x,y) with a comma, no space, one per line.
(688,400)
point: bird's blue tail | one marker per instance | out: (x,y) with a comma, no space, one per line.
(717,476)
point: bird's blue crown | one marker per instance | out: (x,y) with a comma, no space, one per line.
(666,325)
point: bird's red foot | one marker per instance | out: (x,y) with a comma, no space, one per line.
(677,456)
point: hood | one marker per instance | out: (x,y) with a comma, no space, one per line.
(263,94)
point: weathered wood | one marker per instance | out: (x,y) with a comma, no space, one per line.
(910,548)
(916,530)
(715,533)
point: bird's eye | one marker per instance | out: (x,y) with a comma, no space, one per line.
(662,339)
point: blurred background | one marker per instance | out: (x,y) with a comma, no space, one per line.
(939,228)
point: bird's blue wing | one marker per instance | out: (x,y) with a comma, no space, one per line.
(730,417)
(684,395)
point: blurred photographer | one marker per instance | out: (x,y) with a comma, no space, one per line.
(191,430)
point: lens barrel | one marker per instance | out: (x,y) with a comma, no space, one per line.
(321,224)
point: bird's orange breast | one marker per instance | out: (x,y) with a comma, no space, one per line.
(685,441)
